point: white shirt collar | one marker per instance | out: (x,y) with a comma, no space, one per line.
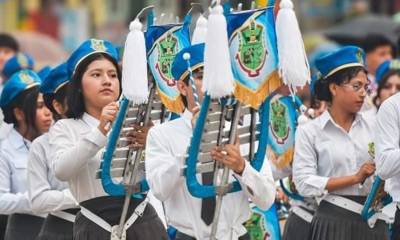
(326,117)
(187,117)
(90,120)
(17,140)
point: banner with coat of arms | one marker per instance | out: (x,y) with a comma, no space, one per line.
(282,122)
(254,55)
(163,42)
(263,225)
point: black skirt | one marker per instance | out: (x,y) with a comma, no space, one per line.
(3,225)
(55,228)
(331,222)
(147,227)
(23,227)
(296,228)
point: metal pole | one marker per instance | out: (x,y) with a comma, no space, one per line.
(222,189)
(132,174)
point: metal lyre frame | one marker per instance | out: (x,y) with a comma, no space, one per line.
(120,161)
(289,191)
(376,199)
(208,133)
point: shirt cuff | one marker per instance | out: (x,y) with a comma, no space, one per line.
(318,182)
(67,193)
(248,171)
(97,137)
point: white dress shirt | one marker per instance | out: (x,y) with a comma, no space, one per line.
(47,194)
(323,150)
(165,156)
(77,146)
(13,174)
(388,145)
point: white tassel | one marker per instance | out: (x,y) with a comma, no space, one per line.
(218,78)
(134,65)
(293,64)
(200,32)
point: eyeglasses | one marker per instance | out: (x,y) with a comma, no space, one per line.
(356,87)
(197,74)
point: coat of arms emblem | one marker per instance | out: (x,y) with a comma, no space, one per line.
(98,45)
(252,51)
(279,123)
(167,49)
(26,78)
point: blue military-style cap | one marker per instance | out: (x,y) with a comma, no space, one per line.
(180,66)
(16,63)
(345,57)
(88,48)
(385,67)
(44,72)
(57,78)
(19,82)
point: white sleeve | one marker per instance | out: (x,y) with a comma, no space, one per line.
(258,186)
(162,168)
(387,141)
(70,155)
(305,165)
(10,202)
(43,198)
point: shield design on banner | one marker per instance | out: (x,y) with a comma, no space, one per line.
(163,42)
(282,122)
(167,49)
(263,225)
(279,124)
(252,51)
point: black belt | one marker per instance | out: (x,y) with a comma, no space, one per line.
(182,236)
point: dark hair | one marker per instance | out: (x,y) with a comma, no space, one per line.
(382,84)
(6,40)
(75,103)
(27,102)
(59,96)
(373,41)
(321,87)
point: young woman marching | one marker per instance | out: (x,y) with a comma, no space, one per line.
(78,143)
(333,158)
(23,106)
(47,194)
